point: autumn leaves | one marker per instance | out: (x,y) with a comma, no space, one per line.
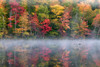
(49,20)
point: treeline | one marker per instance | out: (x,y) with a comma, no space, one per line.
(46,18)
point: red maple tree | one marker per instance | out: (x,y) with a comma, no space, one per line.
(45,26)
(16,11)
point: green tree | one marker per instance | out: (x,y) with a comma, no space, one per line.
(3,13)
(43,12)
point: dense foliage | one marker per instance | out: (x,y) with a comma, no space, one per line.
(46,18)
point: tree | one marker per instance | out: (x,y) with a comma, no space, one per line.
(88,16)
(15,12)
(43,12)
(58,10)
(45,26)
(83,7)
(87,13)
(80,29)
(84,31)
(35,27)
(96,24)
(65,20)
(24,25)
(55,15)
(3,22)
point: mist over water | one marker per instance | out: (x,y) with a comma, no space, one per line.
(79,52)
(14,42)
(35,20)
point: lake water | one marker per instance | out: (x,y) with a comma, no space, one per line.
(50,53)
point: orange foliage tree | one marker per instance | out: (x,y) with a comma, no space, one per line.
(80,30)
(83,7)
(96,23)
(65,20)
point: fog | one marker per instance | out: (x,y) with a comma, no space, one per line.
(85,52)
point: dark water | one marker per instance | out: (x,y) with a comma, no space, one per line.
(50,53)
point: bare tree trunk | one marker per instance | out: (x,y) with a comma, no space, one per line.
(3,25)
(94,34)
(10,15)
(15,21)
(98,32)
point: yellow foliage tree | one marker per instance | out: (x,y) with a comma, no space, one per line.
(24,25)
(57,10)
(3,30)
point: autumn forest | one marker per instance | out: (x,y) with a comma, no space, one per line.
(50,19)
